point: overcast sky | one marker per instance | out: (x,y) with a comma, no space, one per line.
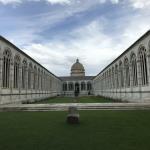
(56,32)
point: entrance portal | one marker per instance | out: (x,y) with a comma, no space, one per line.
(77,90)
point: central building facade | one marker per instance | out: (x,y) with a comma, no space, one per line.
(77,81)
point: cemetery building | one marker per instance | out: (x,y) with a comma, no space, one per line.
(77,81)
(23,79)
(127,78)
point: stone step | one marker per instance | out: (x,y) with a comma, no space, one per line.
(80,106)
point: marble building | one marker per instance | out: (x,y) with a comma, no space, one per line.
(77,81)
(127,78)
(23,79)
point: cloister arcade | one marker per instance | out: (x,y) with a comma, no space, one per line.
(22,78)
(85,87)
(127,77)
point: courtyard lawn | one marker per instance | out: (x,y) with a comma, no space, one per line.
(86,99)
(98,130)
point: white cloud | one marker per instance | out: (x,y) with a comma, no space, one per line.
(10,1)
(59,1)
(89,44)
(140,3)
(5,2)
(95,48)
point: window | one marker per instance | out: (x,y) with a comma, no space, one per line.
(70,86)
(127,72)
(143,65)
(134,70)
(16,71)
(121,74)
(82,86)
(30,76)
(34,77)
(89,86)
(6,68)
(24,73)
(116,74)
(64,86)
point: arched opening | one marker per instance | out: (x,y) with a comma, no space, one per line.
(16,71)
(77,89)
(134,70)
(121,74)
(89,86)
(113,78)
(34,77)
(64,86)
(24,73)
(38,83)
(82,86)
(143,65)
(29,76)
(127,72)
(6,68)
(70,86)
(116,74)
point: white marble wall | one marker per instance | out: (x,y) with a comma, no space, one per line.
(52,85)
(103,82)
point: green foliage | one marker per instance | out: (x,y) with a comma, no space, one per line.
(105,130)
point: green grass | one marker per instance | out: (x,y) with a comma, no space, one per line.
(86,99)
(98,130)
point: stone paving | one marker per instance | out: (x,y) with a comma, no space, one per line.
(80,106)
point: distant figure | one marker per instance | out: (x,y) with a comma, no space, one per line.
(89,93)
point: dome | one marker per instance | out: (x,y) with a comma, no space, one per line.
(77,69)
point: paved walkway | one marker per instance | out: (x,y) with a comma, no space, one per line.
(80,106)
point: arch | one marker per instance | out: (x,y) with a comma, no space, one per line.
(142,56)
(30,76)
(134,69)
(70,86)
(127,72)
(24,73)
(113,78)
(89,86)
(38,78)
(6,68)
(41,79)
(77,89)
(121,74)
(83,86)
(16,71)
(109,79)
(64,86)
(116,74)
(34,77)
